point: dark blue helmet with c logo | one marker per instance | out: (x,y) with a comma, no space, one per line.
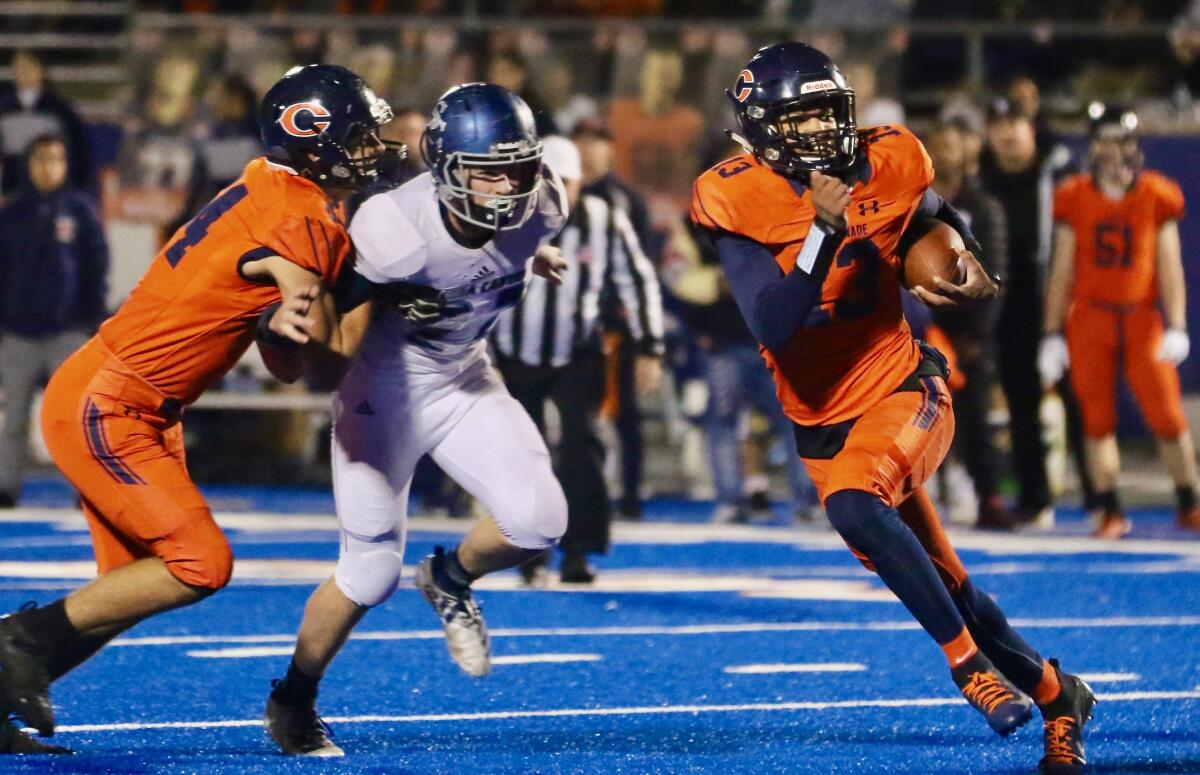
(781,86)
(323,122)
(484,129)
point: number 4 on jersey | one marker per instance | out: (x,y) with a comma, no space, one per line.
(197,228)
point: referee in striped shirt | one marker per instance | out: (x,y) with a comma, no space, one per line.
(549,348)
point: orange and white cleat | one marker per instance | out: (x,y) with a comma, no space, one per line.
(1189,519)
(1113,526)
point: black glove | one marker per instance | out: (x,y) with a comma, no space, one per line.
(419,303)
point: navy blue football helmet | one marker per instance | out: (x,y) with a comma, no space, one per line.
(1116,126)
(779,83)
(321,120)
(485,127)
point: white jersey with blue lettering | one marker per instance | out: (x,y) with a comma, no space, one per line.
(401,235)
(431,389)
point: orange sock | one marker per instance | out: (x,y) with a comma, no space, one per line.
(961,649)
(1048,688)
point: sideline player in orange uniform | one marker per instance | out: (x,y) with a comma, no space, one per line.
(111,415)
(1116,256)
(809,224)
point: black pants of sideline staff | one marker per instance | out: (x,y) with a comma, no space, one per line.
(577,391)
(1017,348)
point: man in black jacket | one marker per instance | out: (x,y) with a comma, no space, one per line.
(1021,175)
(53,270)
(972,333)
(31,109)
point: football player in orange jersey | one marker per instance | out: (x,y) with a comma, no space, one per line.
(258,258)
(809,225)
(1116,257)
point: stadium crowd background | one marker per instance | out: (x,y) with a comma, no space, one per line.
(158,104)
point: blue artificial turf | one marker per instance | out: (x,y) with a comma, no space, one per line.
(656,699)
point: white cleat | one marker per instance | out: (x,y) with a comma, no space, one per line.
(299,731)
(466,632)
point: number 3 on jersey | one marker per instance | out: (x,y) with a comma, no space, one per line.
(861,295)
(197,228)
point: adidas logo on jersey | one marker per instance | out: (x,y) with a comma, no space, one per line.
(484,272)
(364,409)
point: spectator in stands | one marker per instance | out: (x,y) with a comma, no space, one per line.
(53,273)
(567,106)
(655,133)
(1021,177)
(737,382)
(509,69)
(972,335)
(408,127)
(872,108)
(226,143)
(1024,95)
(594,141)
(32,109)
(159,158)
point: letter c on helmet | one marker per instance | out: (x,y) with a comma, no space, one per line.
(292,115)
(744,85)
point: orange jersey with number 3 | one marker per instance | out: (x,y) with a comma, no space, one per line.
(855,347)
(1116,241)
(193,314)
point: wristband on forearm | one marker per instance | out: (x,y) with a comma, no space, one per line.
(269,337)
(820,246)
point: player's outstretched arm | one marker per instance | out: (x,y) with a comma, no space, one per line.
(1172,288)
(1062,270)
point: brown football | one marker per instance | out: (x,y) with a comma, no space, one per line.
(933,255)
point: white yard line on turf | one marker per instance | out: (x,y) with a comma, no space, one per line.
(246,652)
(1109,677)
(674,533)
(547,659)
(254,652)
(922,702)
(1135,622)
(781,667)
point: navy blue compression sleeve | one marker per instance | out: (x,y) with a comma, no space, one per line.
(775,304)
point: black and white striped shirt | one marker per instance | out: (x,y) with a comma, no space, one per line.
(603,257)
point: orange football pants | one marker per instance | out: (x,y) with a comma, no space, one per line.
(890,452)
(1102,337)
(118,440)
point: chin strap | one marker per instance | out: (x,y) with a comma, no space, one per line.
(734,136)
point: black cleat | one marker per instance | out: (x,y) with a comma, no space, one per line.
(575,569)
(24,677)
(299,731)
(1062,730)
(1004,706)
(14,741)
(533,572)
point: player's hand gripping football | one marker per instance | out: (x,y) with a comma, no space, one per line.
(976,286)
(830,198)
(291,320)
(549,264)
